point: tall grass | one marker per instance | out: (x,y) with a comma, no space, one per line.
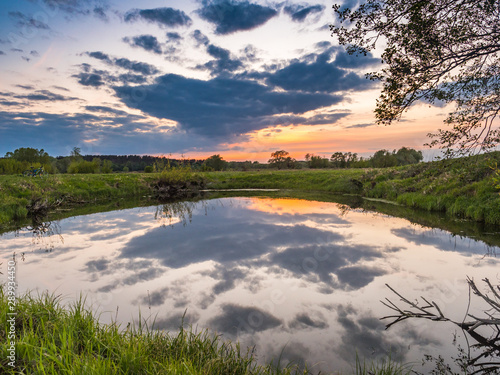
(53,339)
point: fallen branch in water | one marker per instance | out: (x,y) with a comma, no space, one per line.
(488,344)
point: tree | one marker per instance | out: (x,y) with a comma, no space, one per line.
(216,163)
(30,155)
(282,159)
(435,51)
(407,156)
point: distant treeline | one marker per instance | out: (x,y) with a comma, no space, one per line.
(22,159)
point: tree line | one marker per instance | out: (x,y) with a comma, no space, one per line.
(22,159)
(381,159)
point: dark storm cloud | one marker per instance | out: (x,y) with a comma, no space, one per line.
(28,22)
(168,17)
(300,12)
(148,42)
(230,16)
(236,320)
(218,107)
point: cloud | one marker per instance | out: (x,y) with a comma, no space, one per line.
(200,38)
(173,37)
(230,16)
(26,87)
(237,319)
(103,109)
(100,56)
(359,126)
(358,276)
(148,42)
(168,17)
(135,66)
(28,22)
(90,79)
(40,95)
(304,320)
(364,336)
(2,53)
(300,12)
(320,75)
(222,63)
(223,106)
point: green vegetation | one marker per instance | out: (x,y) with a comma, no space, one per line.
(464,188)
(52,339)
(22,197)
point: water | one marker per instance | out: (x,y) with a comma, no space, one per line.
(296,278)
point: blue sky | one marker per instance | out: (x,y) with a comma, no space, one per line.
(238,78)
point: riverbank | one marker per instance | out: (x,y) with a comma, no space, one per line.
(23,197)
(462,188)
(465,188)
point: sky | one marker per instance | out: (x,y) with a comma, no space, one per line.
(192,78)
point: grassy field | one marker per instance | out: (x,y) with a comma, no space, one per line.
(462,188)
(50,338)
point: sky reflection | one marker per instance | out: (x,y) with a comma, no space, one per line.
(274,273)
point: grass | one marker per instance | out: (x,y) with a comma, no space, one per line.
(54,339)
(465,188)
(18,194)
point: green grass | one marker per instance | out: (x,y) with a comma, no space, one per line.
(53,339)
(465,188)
(18,193)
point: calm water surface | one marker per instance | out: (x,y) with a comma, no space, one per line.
(275,273)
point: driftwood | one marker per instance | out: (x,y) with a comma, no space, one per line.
(488,361)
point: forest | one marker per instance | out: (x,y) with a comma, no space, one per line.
(22,159)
